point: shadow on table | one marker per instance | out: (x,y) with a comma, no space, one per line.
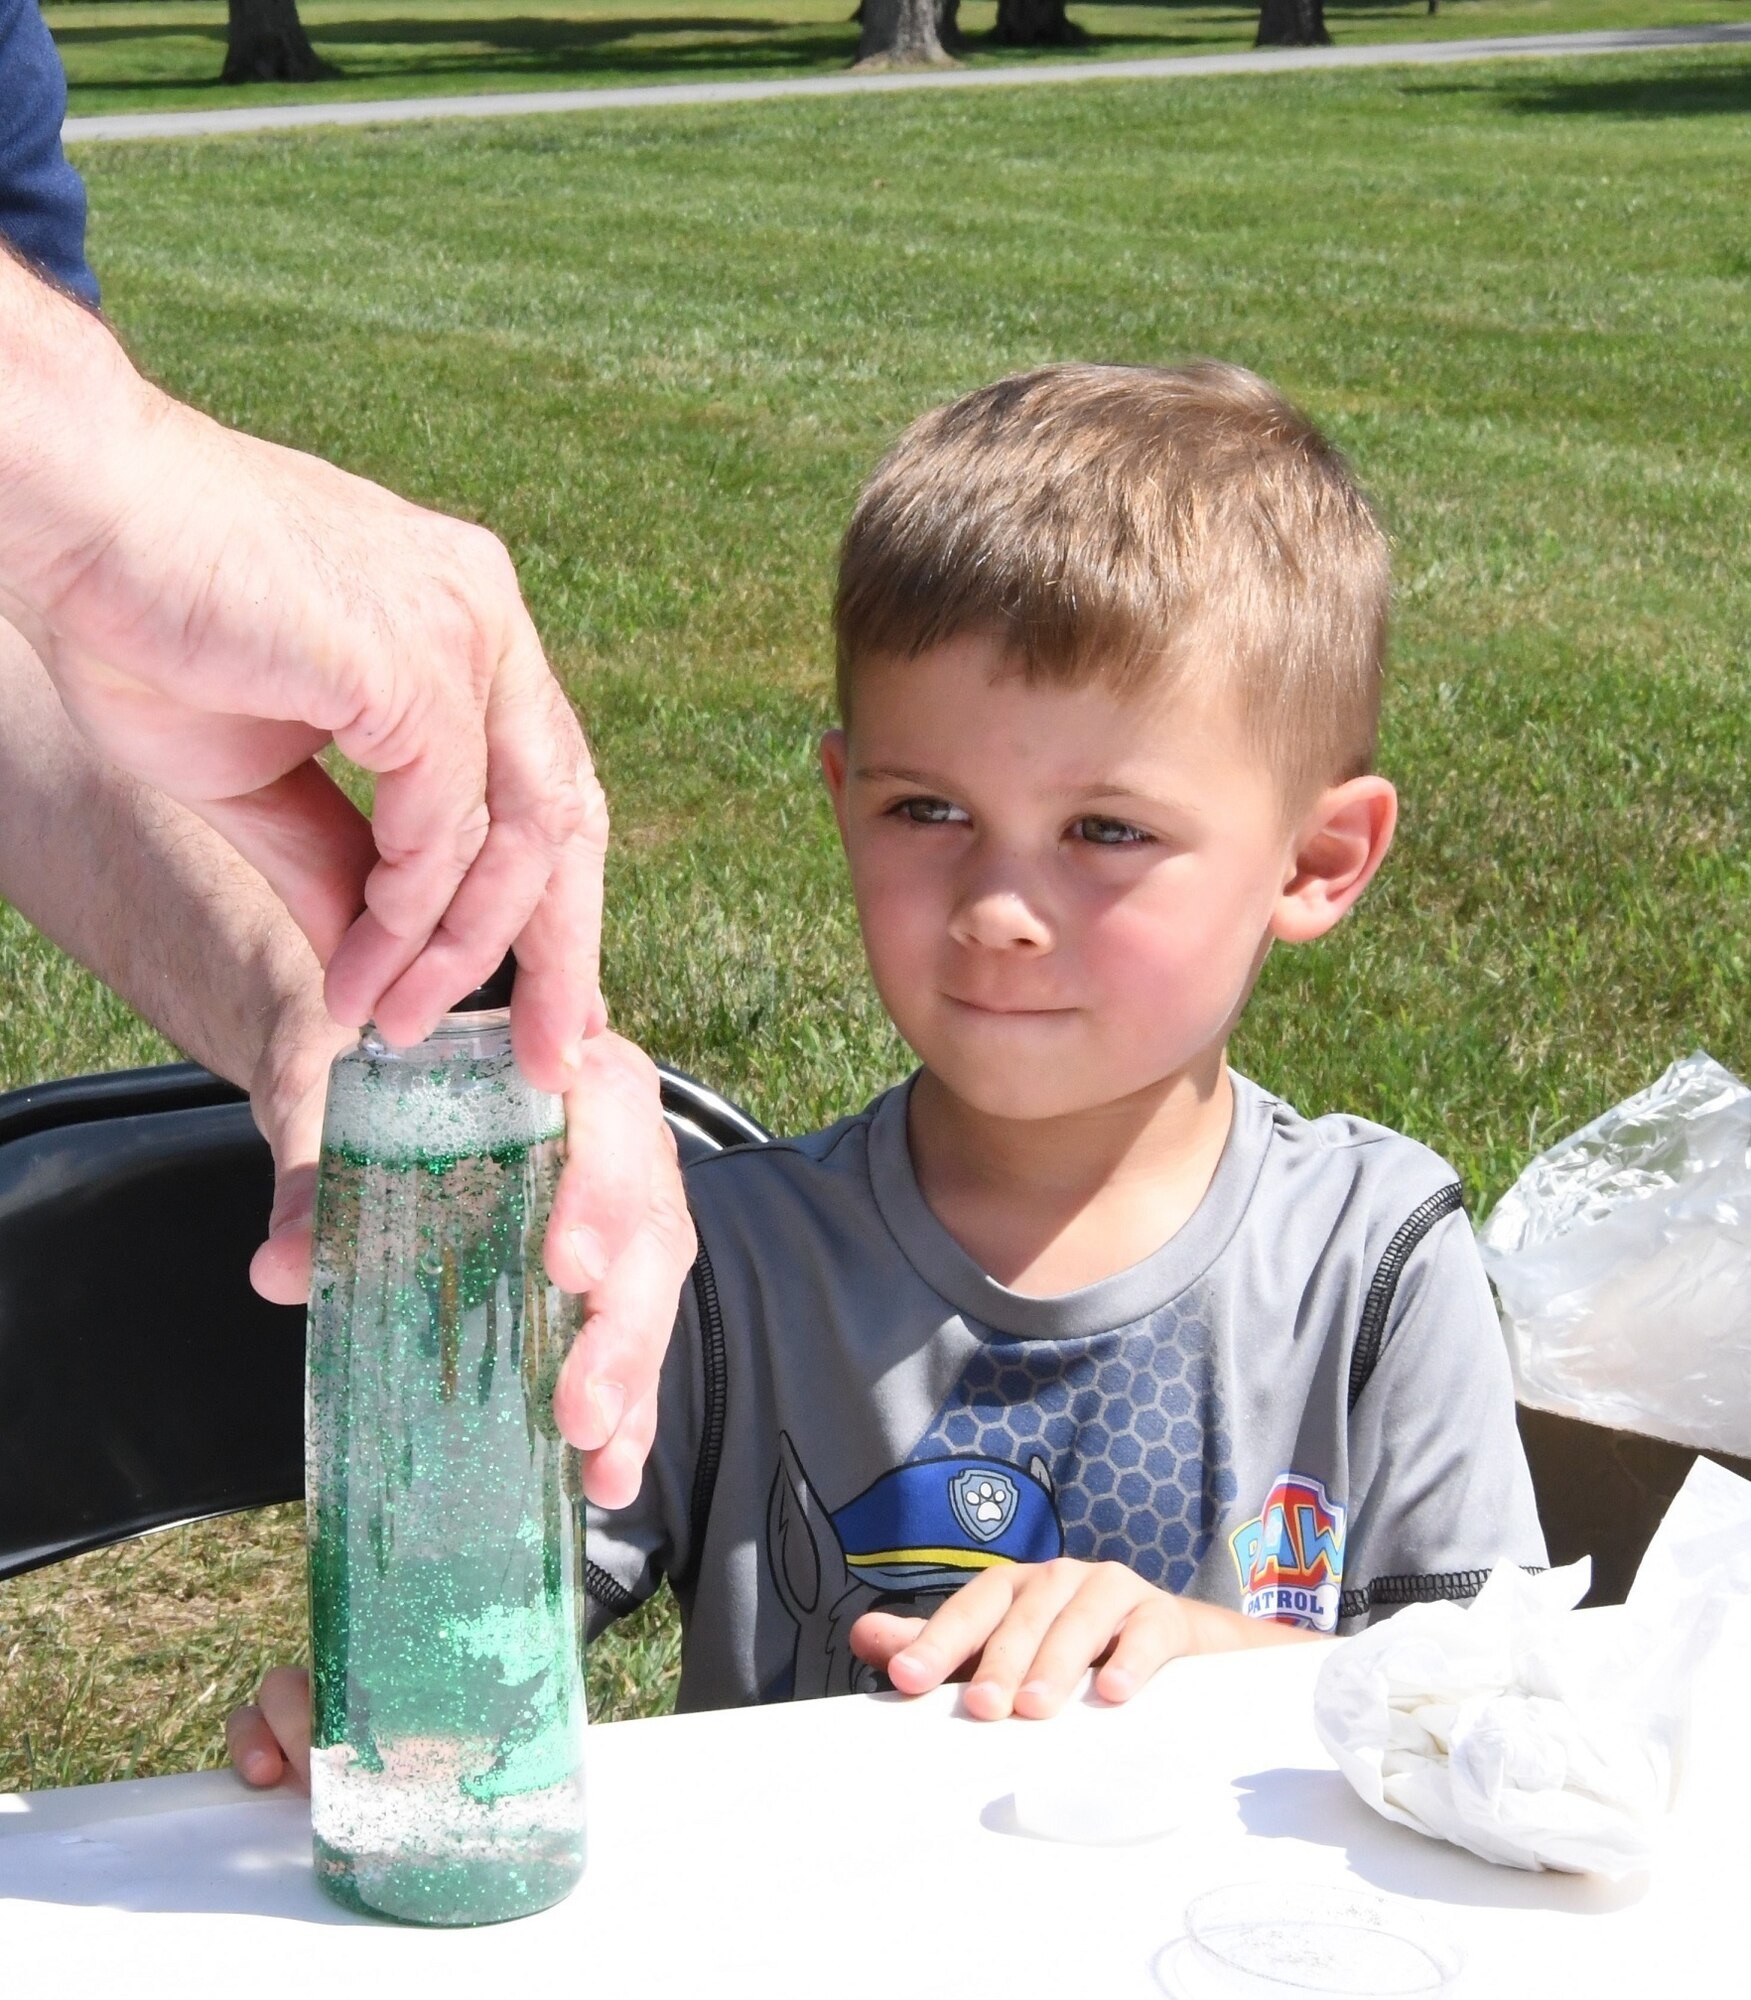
(247,1859)
(1318,1807)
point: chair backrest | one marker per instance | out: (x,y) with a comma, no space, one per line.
(142,1382)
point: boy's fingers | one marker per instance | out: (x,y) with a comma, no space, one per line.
(255,1756)
(1108,1598)
(878,1635)
(955,1632)
(284,1701)
(1012,1652)
(1153,1634)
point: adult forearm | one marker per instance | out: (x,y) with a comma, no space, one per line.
(71,404)
(138,889)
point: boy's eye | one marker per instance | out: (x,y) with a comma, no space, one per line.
(1109,832)
(929,812)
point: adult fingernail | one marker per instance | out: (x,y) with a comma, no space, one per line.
(588,1253)
(607,1401)
(989,1696)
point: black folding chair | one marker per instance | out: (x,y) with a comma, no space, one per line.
(142,1382)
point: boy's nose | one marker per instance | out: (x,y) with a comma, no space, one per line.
(999,918)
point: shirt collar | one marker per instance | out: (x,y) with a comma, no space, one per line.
(1126,1296)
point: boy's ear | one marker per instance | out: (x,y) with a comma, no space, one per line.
(1341,843)
(833,769)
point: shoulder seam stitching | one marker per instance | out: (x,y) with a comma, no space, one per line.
(1371,1330)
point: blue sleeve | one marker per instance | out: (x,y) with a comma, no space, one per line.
(42,199)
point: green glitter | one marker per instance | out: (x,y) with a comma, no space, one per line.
(444,1554)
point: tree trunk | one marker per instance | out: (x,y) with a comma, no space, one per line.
(267,44)
(899,34)
(1292,24)
(1029,24)
(948,25)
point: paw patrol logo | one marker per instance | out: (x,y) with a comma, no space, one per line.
(1291,1557)
(984,1501)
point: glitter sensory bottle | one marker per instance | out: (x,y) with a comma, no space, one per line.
(446,1779)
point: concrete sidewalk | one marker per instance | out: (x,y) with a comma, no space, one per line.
(847,83)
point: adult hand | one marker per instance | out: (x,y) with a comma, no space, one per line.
(214,610)
(621,1234)
(619,1230)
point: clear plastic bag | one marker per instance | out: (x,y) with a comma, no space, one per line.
(1622,1258)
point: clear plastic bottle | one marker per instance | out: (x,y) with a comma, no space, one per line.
(447,1745)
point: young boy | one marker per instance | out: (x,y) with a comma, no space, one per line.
(1077,1341)
(1076,1347)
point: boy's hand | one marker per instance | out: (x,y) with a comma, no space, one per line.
(271,1737)
(1025,1633)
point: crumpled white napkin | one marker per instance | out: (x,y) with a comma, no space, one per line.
(1532,1733)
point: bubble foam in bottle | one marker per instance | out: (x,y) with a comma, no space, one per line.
(446,1773)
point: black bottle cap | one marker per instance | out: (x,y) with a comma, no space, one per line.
(494,992)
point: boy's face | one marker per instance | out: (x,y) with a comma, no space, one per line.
(1065,893)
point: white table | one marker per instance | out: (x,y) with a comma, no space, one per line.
(860,1847)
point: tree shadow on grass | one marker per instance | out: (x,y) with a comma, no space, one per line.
(1668,97)
(619,48)
(537,34)
(626,48)
(1712,92)
(512,31)
(633,48)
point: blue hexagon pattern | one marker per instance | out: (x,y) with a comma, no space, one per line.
(1130,1424)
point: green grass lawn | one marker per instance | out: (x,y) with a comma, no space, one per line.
(657,353)
(137,55)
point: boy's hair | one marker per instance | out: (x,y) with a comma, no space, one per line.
(1130,525)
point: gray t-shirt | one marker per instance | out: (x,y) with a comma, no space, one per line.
(1298,1407)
